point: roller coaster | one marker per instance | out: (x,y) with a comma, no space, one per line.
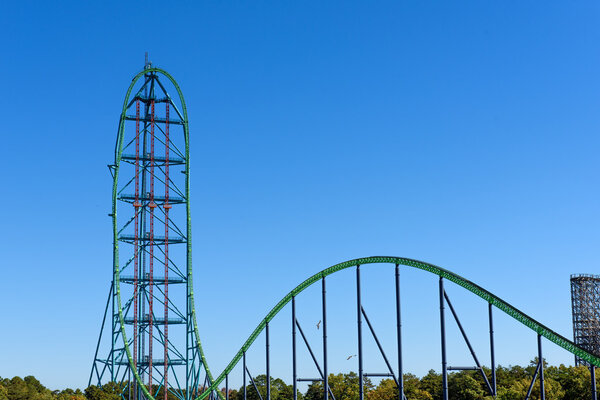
(149,340)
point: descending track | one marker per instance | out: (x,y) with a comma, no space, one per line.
(494,300)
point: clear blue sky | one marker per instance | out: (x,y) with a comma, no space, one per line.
(463,134)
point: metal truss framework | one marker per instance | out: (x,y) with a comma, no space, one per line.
(154,346)
(585,302)
(146,351)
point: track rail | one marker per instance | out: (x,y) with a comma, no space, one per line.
(497,302)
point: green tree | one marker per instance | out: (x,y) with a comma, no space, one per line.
(28,388)
(464,386)
(108,391)
(432,384)
(279,390)
(314,391)
(413,389)
(346,386)
(3,392)
(519,388)
(386,390)
(283,391)
(343,387)
(69,394)
(507,376)
(575,381)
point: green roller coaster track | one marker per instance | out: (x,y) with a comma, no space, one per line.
(470,286)
(214,383)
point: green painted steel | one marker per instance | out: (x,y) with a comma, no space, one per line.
(451,276)
(116,272)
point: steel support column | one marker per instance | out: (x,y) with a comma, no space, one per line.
(443,339)
(399,335)
(541,361)
(268,366)
(492,354)
(294,367)
(359,326)
(325,377)
(244,373)
(113,333)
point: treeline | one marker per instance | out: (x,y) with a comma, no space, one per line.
(561,383)
(30,388)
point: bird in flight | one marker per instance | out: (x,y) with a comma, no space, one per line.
(349,357)
(318,324)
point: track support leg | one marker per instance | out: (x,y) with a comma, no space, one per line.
(294,368)
(541,360)
(443,338)
(268,361)
(359,325)
(325,372)
(399,335)
(492,353)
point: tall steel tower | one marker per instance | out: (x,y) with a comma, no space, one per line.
(585,301)
(153,347)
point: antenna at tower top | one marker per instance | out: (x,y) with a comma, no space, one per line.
(147,64)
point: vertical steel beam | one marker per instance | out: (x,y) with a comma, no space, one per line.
(443,339)
(227,387)
(148,92)
(113,328)
(151,205)
(399,335)
(593,378)
(294,369)
(167,207)
(268,367)
(136,248)
(244,372)
(359,326)
(492,354)
(541,361)
(325,377)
